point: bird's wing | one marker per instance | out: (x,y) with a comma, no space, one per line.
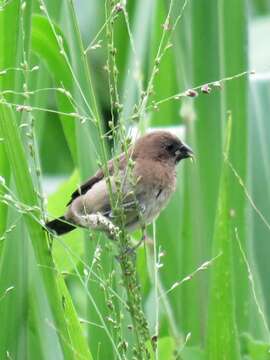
(97,200)
(133,208)
(87,185)
(129,207)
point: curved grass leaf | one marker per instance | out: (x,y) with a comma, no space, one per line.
(73,240)
(65,321)
(45,45)
(222,338)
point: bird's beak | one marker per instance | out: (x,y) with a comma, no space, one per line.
(184,152)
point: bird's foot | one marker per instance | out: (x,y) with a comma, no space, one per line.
(131,251)
(135,247)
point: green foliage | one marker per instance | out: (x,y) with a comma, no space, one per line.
(221,318)
(252,349)
(73,241)
(44,43)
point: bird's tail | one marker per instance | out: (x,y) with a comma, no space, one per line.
(60,226)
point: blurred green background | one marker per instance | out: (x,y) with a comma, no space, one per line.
(61,301)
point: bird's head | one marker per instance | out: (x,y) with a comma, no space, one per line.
(162,146)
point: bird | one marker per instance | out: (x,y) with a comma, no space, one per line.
(145,176)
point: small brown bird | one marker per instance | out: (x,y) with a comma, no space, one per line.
(145,191)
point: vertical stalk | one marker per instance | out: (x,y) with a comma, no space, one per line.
(140,326)
(221,320)
(233,27)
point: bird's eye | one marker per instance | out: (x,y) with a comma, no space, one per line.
(170,147)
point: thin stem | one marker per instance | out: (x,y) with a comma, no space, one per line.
(156,263)
(252,283)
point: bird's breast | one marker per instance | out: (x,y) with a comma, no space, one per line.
(157,182)
(155,202)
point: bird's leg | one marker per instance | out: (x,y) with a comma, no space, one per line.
(50,244)
(141,240)
(132,250)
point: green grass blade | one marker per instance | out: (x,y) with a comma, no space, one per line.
(234,41)
(13,303)
(73,240)
(8,58)
(68,339)
(4,172)
(45,45)
(222,339)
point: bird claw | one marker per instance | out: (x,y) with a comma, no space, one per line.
(131,250)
